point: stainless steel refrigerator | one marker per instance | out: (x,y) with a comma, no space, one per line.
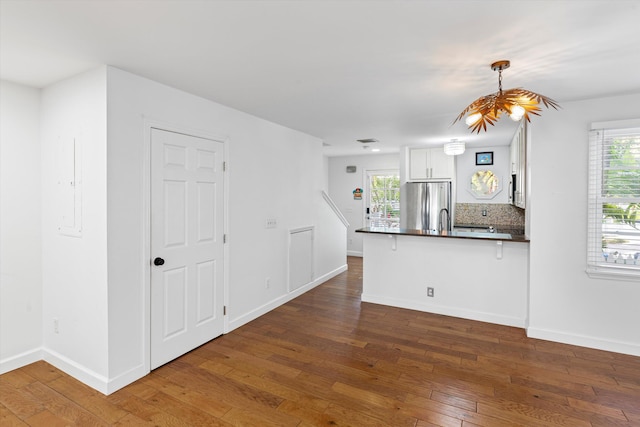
(427,206)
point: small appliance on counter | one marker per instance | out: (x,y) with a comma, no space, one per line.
(427,206)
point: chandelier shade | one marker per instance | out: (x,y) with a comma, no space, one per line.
(518,103)
(454,147)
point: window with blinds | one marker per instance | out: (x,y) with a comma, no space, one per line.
(614,200)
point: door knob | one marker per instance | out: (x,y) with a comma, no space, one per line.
(158,261)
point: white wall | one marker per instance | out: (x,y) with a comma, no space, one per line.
(20,227)
(466,167)
(565,304)
(341,185)
(75,268)
(468,277)
(274,172)
(95,283)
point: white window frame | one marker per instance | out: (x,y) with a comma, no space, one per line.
(597,267)
(368,175)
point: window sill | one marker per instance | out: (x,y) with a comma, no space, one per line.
(614,273)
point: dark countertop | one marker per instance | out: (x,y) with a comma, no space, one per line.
(498,235)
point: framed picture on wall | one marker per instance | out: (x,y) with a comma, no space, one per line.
(484,158)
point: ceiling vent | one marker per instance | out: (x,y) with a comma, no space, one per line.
(367,140)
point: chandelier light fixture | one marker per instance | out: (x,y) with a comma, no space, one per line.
(454,147)
(517,103)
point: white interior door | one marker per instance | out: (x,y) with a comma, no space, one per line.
(187,280)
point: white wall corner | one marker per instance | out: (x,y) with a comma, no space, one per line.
(20,360)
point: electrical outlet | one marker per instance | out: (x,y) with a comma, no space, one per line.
(270,223)
(267,283)
(56,325)
(430,292)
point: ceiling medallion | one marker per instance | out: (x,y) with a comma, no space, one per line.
(517,103)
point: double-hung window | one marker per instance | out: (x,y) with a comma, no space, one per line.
(614,200)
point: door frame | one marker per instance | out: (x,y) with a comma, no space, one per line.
(367,188)
(149,124)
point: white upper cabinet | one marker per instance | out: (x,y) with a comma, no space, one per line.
(430,164)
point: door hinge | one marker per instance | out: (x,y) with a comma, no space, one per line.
(224,310)
(224,238)
(224,166)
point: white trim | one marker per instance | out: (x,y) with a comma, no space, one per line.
(20,360)
(616,124)
(613,273)
(79,372)
(335,208)
(94,380)
(585,341)
(445,310)
(264,309)
(355,253)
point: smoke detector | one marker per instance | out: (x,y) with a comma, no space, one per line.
(367,140)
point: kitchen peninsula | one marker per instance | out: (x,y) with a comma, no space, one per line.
(478,276)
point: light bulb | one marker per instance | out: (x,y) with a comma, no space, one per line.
(517,112)
(472,119)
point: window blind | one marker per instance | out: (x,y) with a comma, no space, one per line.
(614,203)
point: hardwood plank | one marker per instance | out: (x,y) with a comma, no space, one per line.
(62,407)
(326,358)
(19,402)
(42,371)
(88,398)
(9,419)
(46,418)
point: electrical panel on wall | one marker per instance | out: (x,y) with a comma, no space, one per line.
(69,187)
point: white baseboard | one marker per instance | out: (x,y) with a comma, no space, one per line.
(584,341)
(445,310)
(20,360)
(100,383)
(126,378)
(354,253)
(77,371)
(264,309)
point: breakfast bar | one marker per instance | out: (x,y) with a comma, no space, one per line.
(474,275)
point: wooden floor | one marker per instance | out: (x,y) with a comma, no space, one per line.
(328,359)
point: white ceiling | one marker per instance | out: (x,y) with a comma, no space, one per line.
(398,71)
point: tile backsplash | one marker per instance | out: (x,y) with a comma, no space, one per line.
(497,214)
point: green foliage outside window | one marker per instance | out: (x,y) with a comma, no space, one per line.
(385,196)
(622,181)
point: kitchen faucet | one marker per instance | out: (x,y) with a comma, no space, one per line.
(448,223)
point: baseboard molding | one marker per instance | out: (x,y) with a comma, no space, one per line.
(20,360)
(584,341)
(445,310)
(126,378)
(264,309)
(77,371)
(355,253)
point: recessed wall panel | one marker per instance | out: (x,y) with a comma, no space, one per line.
(175,156)
(206,295)
(206,211)
(206,160)
(175,209)
(175,298)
